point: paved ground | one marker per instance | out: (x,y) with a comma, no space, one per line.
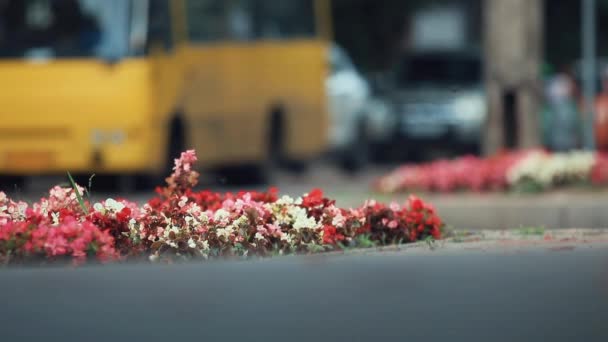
(541,291)
(588,209)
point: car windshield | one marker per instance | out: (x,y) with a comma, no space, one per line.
(63,28)
(440,70)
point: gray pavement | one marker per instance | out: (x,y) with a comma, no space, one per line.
(534,293)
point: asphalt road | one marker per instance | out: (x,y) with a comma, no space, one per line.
(531,294)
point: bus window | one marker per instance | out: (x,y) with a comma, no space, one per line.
(284,19)
(160,24)
(242,20)
(208,20)
(63,28)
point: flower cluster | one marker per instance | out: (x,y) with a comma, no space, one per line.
(464,173)
(599,172)
(181,224)
(23,241)
(535,169)
(546,170)
(10,210)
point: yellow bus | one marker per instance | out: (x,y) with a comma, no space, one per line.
(121,86)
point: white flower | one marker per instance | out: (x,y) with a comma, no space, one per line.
(182,201)
(55,217)
(194,210)
(545,169)
(205,245)
(225,232)
(191,243)
(221,215)
(243,219)
(167,220)
(259,236)
(203,218)
(301,219)
(114,205)
(189,220)
(21,208)
(283,219)
(528,167)
(338,220)
(171,229)
(285,200)
(287,238)
(98,207)
(135,230)
(132,224)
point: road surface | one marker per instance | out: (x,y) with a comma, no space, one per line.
(534,293)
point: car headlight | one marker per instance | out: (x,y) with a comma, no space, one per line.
(470,109)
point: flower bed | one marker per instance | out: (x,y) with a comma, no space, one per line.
(181,224)
(524,170)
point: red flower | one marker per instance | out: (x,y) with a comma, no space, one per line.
(124,215)
(313,199)
(436,233)
(415,203)
(331,235)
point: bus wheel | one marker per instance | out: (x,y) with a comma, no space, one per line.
(276,139)
(277,158)
(177,143)
(264,172)
(175,146)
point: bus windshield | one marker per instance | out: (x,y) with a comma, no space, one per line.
(64,28)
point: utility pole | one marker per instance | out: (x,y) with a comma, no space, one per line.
(589,71)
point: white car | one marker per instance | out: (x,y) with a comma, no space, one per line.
(349,94)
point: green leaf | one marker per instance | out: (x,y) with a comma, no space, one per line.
(78,195)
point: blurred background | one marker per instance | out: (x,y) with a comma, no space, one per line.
(297,93)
